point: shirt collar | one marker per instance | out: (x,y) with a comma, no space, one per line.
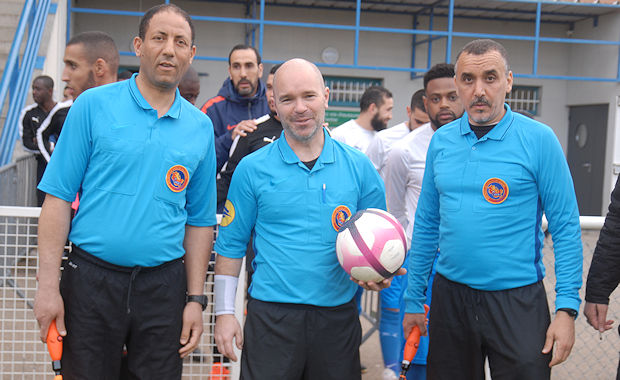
(175,108)
(326,156)
(498,132)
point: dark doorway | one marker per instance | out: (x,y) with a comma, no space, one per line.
(587,136)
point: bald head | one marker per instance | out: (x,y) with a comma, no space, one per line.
(297,65)
(189,87)
(300,100)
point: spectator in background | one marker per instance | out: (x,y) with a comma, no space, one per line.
(267,131)
(189,87)
(30,120)
(376,106)
(380,146)
(239,102)
(67,94)
(403,173)
(124,75)
(91,60)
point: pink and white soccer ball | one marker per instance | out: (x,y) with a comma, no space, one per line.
(371,245)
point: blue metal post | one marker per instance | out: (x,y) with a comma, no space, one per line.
(356,50)
(429,50)
(537,40)
(414,45)
(261,27)
(450,30)
(69,11)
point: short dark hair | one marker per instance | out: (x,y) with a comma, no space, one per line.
(148,15)
(483,46)
(374,95)
(417,100)
(244,47)
(440,70)
(97,45)
(274,68)
(47,81)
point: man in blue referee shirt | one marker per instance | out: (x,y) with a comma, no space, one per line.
(489,177)
(143,160)
(302,321)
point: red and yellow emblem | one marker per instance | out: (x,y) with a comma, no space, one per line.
(339,216)
(495,190)
(177,178)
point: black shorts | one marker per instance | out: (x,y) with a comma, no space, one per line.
(295,342)
(507,326)
(108,306)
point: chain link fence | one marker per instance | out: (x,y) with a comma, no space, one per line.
(23,356)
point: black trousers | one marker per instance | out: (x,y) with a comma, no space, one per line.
(108,306)
(295,342)
(508,326)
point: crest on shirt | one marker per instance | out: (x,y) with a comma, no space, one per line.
(495,190)
(228,214)
(177,178)
(339,216)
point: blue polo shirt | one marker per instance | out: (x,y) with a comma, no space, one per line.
(481,205)
(292,213)
(141,178)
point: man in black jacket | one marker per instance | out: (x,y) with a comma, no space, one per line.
(604,274)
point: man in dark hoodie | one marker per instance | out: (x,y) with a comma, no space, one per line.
(241,99)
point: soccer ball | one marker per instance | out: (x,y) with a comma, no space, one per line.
(371,245)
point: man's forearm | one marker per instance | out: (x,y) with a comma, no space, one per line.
(198,244)
(53,231)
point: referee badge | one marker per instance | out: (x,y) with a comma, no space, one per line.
(495,190)
(228,214)
(177,178)
(340,215)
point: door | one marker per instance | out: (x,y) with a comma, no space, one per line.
(586,154)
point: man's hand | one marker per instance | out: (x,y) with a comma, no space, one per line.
(377,286)
(243,128)
(596,314)
(561,333)
(226,328)
(49,306)
(192,328)
(414,319)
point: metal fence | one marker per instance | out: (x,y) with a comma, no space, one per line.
(23,356)
(18,182)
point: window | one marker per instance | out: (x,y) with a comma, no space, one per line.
(524,98)
(347,91)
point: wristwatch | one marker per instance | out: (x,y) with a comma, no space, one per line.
(201,299)
(571,312)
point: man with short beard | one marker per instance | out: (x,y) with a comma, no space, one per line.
(91,60)
(404,170)
(239,102)
(488,179)
(375,111)
(302,321)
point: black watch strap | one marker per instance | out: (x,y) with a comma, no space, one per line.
(571,312)
(201,299)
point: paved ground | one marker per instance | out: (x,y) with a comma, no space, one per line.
(591,358)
